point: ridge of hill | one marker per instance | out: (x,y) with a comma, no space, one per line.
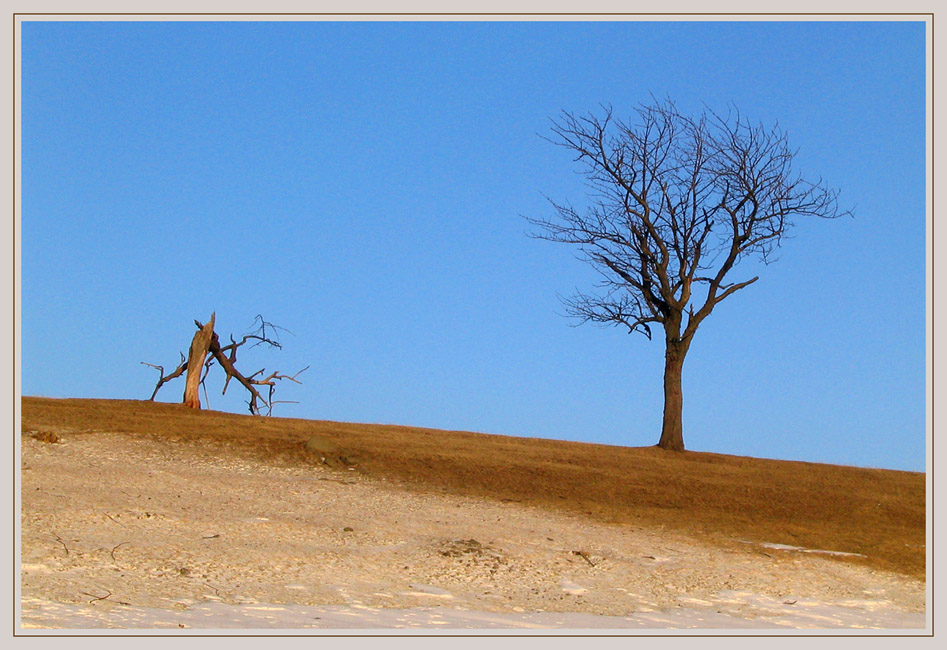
(875,517)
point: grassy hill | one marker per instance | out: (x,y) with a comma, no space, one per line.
(724,499)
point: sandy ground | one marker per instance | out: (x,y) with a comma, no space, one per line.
(139,534)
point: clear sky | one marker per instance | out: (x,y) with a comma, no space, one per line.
(363,184)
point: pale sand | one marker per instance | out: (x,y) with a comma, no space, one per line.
(140,534)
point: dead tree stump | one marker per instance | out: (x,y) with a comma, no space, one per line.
(200,346)
(206,342)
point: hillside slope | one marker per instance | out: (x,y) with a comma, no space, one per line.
(877,514)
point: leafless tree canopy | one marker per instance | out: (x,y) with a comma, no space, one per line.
(678,202)
(675,204)
(207,350)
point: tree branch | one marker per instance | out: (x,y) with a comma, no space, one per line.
(162,380)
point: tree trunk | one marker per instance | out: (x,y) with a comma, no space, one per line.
(200,344)
(672,430)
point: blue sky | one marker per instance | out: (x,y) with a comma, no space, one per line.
(363,184)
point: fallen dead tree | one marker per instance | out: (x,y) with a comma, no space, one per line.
(206,351)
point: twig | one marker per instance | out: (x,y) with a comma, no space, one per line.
(112,552)
(59,539)
(94,597)
(117,522)
(584,556)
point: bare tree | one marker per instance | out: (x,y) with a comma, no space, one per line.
(676,203)
(205,350)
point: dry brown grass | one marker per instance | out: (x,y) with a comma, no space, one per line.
(877,513)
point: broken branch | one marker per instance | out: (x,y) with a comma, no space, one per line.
(162,380)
